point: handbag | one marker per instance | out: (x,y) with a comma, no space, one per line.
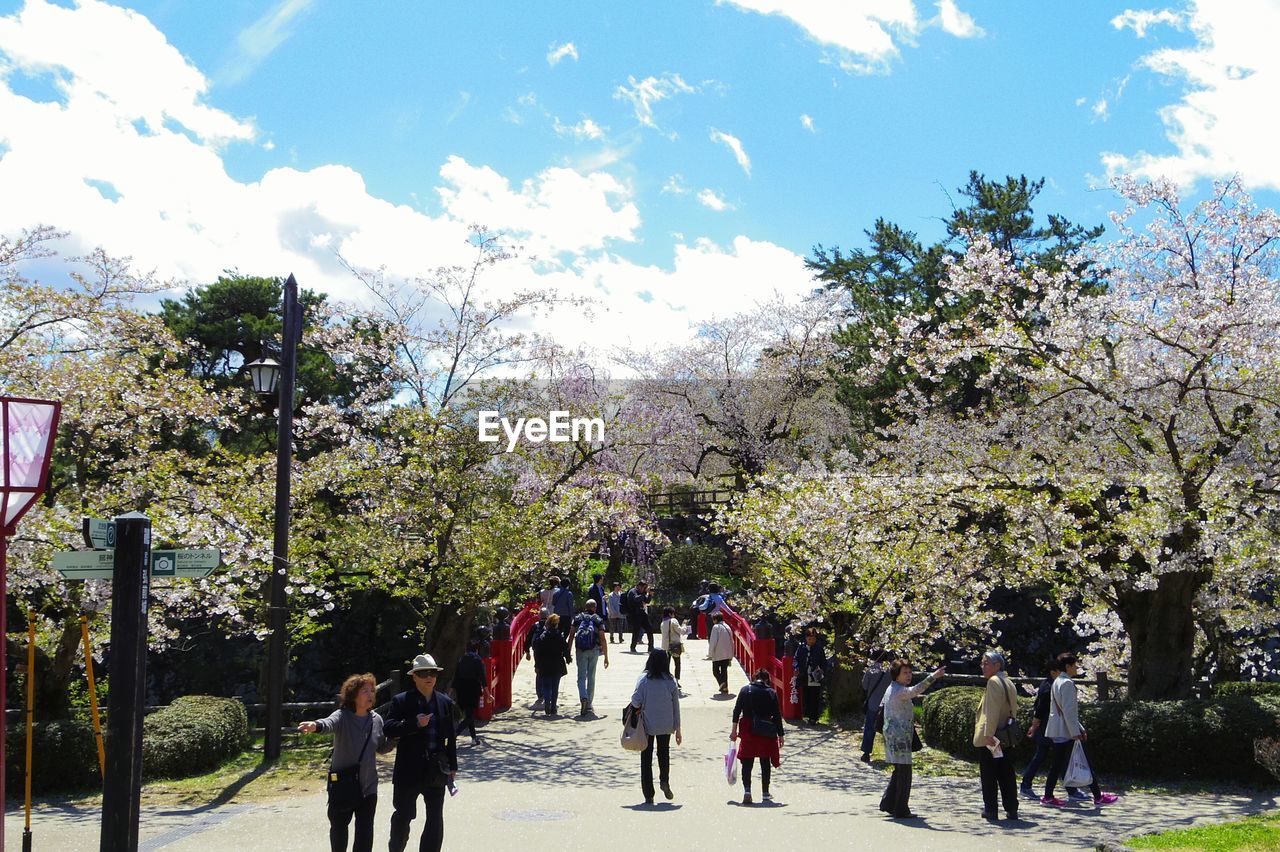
(879,723)
(344,784)
(1010,733)
(916,744)
(1078,772)
(634,737)
(438,770)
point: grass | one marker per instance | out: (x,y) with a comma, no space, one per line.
(242,778)
(1246,835)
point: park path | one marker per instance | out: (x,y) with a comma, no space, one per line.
(566,781)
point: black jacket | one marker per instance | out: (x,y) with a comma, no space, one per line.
(811,658)
(1041,709)
(470,672)
(759,702)
(411,752)
(550,654)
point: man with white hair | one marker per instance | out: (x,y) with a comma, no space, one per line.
(996,711)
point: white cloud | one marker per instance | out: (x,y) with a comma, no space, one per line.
(1100,109)
(956,22)
(1223,123)
(560,211)
(82,48)
(558,52)
(734,144)
(864,34)
(806,121)
(643,94)
(708,198)
(135,164)
(585,129)
(1139,20)
(260,39)
(675,185)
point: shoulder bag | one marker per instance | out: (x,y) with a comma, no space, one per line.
(634,737)
(1010,733)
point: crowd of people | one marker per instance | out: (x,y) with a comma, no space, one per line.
(422,723)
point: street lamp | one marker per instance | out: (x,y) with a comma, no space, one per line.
(272,377)
(27,430)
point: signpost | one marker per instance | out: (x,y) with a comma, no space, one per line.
(98,533)
(130,564)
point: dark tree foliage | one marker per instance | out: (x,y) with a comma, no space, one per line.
(897,275)
(236,320)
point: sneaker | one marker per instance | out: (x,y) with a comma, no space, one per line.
(537,705)
(746,798)
(1052,801)
(1028,793)
(1078,795)
(1106,799)
(866,757)
(766,797)
(990,815)
(666,791)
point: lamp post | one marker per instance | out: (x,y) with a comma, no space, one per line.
(27,430)
(269,376)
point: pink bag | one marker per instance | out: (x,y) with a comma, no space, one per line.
(731,763)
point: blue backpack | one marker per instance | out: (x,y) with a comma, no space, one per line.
(585,638)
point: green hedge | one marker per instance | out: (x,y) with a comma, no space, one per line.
(65,758)
(1247,687)
(1194,739)
(193,734)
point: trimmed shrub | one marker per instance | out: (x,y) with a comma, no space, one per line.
(1247,687)
(1267,752)
(685,565)
(1170,739)
(193,734)
(948,715)
(65,757)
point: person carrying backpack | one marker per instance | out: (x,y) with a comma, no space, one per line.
(590,642)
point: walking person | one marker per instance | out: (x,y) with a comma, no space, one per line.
(590,642)
(720,649)
(548,592)
(672,633)
(468,686)
(597,593)
(999,705)
(550,663)
(811,668)
(875,680)
(1064,730)
(636,606)
(900,735)
(613,605)
(562,605)
(757,727)
(657,700)
(426,756)
(1044,745)
(357,735)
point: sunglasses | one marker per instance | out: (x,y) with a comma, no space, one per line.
(426,674)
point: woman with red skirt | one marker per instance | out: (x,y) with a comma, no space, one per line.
(757,726)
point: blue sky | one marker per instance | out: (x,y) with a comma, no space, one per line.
(670,160)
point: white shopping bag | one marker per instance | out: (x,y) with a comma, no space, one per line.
(731,764)
(1078,772)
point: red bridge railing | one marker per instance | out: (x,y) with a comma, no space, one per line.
(504,657)
(754,654)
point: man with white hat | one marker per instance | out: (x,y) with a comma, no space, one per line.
(426,756)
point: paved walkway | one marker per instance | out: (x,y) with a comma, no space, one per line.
(536,782)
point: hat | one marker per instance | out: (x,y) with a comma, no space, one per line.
(425,663)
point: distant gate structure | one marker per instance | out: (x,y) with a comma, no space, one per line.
(688,502)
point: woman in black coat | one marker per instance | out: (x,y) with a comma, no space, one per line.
(550,659)
(811,668)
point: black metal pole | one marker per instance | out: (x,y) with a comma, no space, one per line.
(277,612)
(130,585)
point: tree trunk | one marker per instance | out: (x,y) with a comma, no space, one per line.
(613,573)
(446,637)
(846,682)
(1161,628)
(53,700)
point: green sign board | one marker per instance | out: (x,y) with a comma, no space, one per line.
(184,563)
(85,564)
